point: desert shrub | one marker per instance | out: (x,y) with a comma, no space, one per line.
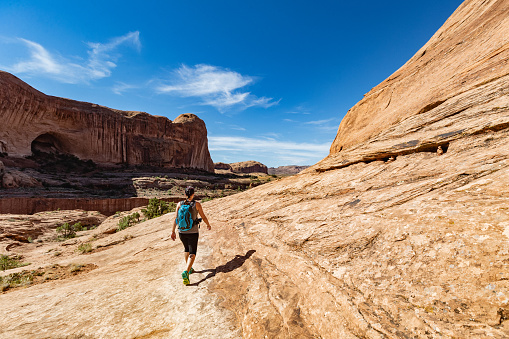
(16,280)
(85,248)
(7,262)
(207,199)
(157,207)
(78,227)
(128,221)
(66,231)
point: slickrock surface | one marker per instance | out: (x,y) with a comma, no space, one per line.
(417,247)
(135,292)
(402,234)
(92,132)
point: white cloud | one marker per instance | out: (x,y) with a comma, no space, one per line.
(215,86)
(121,87)
(320,122)
(279,151)
(100,63)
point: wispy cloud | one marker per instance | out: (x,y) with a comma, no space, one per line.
(121,87)
(283,151)
(99,63)
(320,122)
(301,109)
(215,86)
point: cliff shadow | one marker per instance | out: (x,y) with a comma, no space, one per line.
(230,266)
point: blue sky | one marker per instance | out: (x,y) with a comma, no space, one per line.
(271,79)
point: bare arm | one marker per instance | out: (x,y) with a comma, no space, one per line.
(202,214)
(173,234)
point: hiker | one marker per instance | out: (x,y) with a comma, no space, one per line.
(188,228)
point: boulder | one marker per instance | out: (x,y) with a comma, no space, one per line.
(41,123)
(248,167)
(13,179)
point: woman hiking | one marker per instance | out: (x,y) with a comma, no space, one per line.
(188,229)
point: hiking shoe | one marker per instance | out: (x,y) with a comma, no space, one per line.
(185,277)
(191,271)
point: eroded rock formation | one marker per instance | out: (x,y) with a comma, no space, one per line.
(463,65)
(42,123)
(248,167)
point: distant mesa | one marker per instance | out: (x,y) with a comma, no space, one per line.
(242,167)
(38,123)
(222,166)
(286,170)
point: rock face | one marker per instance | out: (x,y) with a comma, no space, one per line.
(465,58)
(41,123)
(104,206)
(249,167)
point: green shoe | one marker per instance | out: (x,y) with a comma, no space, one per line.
(191,271)
(185,277)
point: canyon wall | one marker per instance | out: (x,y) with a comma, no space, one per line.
(38,122)
(467,54)
(104,206)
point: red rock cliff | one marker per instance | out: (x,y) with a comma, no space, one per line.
(470,50)
(32,120)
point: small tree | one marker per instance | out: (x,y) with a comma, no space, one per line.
(128,221)
(67,231)
(157,207)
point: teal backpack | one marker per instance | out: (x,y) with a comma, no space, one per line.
(184,217)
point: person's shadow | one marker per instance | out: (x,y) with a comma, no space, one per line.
(231,265)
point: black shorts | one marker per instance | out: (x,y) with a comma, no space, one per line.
(190,242)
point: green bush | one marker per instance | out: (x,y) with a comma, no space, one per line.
(6,262)
(157,207)
(85,248)
(67,231)
(16,280)
(128,221)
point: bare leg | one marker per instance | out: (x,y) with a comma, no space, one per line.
(186,256)
(190,262)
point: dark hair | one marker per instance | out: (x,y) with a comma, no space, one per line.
(189,191)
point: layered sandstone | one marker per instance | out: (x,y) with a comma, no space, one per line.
(42,123)
(467,54)
(248,167)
